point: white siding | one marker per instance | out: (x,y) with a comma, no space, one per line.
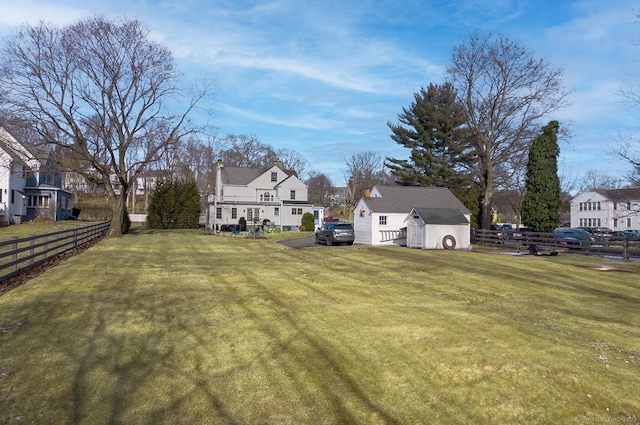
(362,223)
(387,234)
(591,209)
(245,197)
(595,207)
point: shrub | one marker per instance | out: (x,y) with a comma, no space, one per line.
(308,222)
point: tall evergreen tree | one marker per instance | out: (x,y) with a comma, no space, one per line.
(433,128)
(174,204)
(540,208)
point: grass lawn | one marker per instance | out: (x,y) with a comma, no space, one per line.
(177,327)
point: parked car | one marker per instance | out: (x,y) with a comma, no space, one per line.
(599,232)
(515,234)
(584,238)
(626,235)
(335,233)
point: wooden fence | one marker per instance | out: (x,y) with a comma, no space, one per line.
(20,254)
(626,248)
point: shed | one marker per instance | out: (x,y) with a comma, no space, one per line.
(438,228)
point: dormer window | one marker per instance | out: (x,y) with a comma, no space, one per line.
(266,197)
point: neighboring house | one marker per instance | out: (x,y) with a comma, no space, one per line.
(29,187)
(617,209)
(257,194)
(420,217)
(338,196)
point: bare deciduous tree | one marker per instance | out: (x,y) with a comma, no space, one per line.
(320,187)
(98,90)
(291,160)
(365,170)
(595,180)
(506,91)
(246,151)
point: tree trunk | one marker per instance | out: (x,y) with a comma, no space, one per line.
(487,197)
(117,213)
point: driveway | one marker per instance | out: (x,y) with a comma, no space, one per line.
(306,242)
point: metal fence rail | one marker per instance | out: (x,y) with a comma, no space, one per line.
(20,254)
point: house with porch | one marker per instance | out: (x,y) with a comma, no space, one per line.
(29,185)
(270,194)
(617,209)
(417,217)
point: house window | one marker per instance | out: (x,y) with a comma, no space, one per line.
(249,215)
(218,212)
(234,213)
(266,197)
(615,205)
(628,205)
(628,223)
(581,206)
(296,211)
(382,220)
(274,176)
(276,211)
(615,222)
(293,195)
(38,201)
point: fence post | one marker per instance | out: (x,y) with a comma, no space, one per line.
(625,246)
(14,257)
(46,245)
(32,250)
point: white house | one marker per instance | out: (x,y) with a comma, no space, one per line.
(617,209)
(388,215)
(269,194)
(29,188)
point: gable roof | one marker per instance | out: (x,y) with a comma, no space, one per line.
(13,148)
(441,215)
(402,199)
(242,176)
(629,194)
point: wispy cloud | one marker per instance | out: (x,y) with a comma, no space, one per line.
(334,73)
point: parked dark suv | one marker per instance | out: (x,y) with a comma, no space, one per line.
(335,233)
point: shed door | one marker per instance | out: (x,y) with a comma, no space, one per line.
(415,235)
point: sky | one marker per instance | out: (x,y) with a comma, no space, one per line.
(323,78)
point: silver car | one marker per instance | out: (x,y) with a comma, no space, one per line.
(335,233)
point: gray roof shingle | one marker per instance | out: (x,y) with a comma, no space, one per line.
(402,199)
(245,175)
(441,216)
